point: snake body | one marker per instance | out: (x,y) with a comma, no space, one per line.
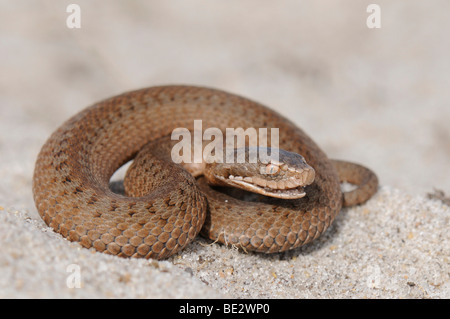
(73,170)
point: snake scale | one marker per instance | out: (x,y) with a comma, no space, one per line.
(73,170)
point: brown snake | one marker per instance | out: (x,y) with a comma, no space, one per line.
(73,170)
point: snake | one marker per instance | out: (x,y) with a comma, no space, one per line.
(269,206)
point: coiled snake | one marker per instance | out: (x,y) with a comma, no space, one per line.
(168,206)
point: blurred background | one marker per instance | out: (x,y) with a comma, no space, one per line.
(374,96)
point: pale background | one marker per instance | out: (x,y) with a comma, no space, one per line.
(375,96)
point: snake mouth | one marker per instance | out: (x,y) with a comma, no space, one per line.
(246,183)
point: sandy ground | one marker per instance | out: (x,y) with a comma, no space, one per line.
(374,96)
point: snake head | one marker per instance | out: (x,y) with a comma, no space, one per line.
(283,178)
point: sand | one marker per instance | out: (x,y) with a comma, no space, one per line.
(374,96)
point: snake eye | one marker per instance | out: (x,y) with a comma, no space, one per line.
(272,169)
